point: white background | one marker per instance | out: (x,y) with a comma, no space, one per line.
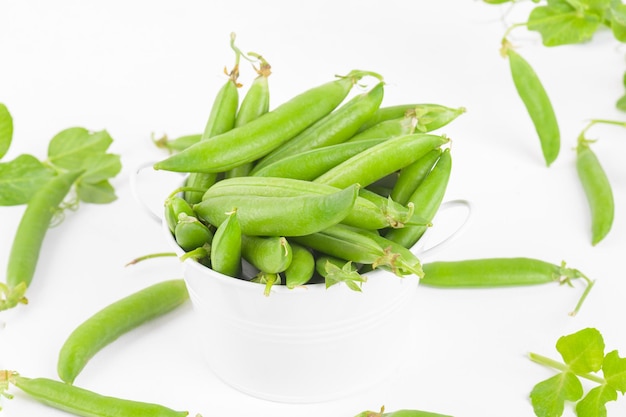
(142,67)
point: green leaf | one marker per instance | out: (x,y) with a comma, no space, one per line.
(618,20)
(548,397)
(21,178)
(582,351)
(594,403)
(96,193)
(560,23)
(70,147)
(6,130)
(614,370)
(621,103)
(101,167)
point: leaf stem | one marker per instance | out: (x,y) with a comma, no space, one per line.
(543,360)
(602,121)
(150,256)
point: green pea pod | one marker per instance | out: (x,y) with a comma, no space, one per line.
(114,320)
(191,234)
(388,129)
(280,216)
(426,199)
(259,137)
(82,402)
(400,413)
(381,160)
(226,247)
(269,254)
(413,175)
(311,164)
(337,127)
(533,94)
(597,190)
(373,212)
(175,207)
(302,266)
(429,116)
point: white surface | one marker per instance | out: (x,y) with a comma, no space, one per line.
(139,67)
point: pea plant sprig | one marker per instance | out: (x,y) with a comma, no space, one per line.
(583,357)
(77,160)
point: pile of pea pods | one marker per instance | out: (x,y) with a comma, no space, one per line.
(318,189)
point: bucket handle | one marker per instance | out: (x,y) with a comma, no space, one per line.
(134,188)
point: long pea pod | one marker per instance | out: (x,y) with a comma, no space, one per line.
(426,200)
(280,216)
(411,176)
(400,413)
(428,116)
(500,272)
(537,103)
(388,129)
(597,189)
(29,236)
(114,320)
(257,138)
(82,402)
(381,160)
(336,127)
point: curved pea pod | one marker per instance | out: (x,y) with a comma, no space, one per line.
(335,270)
(413,175)
(259,137)
(381,160)
(226,247)
(280,216)
(267,279)
(500,272)
(302,266)
(426,200)
(311,164)
(114,320)
(428,116)
(191,234)
(269,254)
(373,212)
(537,103)
(387,129)
(176,206)
(82,402)
(336,127)
(597,190)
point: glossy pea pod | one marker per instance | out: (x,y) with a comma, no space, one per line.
(413,175)
(381,160)
(255,103)
(426,199)
(226,247)
(259,137)
(537,103)
(29,237)
(221,119)
(191,234)
(175,208)
(336,127)
(388,129)
(82,402)
(370,211)
(269,254)
(279,216)
(500,272)
(301,268)
(428,117)
(114,320)
(597,190)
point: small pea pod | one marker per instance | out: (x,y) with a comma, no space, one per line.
(335,271)
(413,175)
(597,190)
(426,200)
(114,320)
(381,160)
(302,266)
(226,247)
(535,98)
(269,254)
(82,402)
(175,207)
(191,234)
(500,272)
(259,137)
(337,127)
(29,236)
(280,216)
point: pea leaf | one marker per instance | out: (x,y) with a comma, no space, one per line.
(96,193)
(101,167)
(560,23)
(618,20)
(21,178)
(614,370)
(548,397)
(582,351)
(70,147)
(594,403)
(6,130)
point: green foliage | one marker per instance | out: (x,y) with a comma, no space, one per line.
(6,130)
(21,178)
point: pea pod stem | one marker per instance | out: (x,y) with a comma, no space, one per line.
(150,256)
